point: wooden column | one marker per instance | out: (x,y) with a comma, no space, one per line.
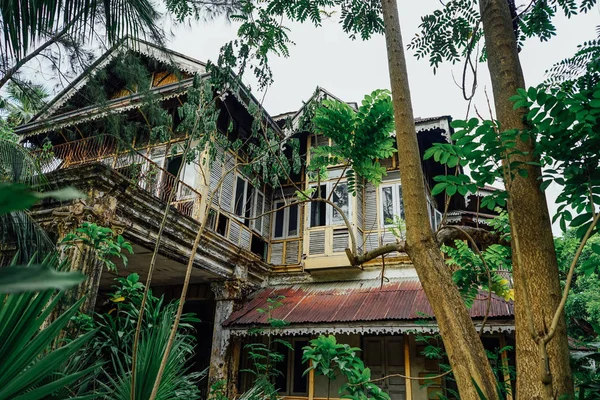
(311,384)
(407,367)
(504,360)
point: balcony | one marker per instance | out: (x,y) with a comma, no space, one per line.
(140,170)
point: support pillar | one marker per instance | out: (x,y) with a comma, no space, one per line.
(98,208)
(226,349)
(407,367)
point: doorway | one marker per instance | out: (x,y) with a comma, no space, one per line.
(384,355)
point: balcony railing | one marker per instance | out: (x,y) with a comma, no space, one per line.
(140,170)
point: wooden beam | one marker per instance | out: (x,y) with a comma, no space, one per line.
(407,367)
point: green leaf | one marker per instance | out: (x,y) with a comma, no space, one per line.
(439,188)
(14,196)
(581,219)
(36,278)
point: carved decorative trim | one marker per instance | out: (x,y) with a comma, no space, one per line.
(365,329)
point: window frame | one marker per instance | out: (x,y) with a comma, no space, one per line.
(286,221)
(255,192)
(328,209)
(397,203)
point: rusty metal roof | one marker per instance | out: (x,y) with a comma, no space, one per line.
(353,301)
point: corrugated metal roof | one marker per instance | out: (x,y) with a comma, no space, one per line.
(353,301)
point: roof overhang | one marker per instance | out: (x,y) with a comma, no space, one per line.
(360,306)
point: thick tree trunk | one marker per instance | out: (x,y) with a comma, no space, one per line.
(465,350)
(535,267)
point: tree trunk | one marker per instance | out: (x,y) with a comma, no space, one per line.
(465,350)
(535,268)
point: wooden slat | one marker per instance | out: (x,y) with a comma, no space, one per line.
(316,242)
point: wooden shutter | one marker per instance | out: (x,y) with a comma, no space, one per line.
(266,220)
(291,252)
(216,171)
(228,184)
(234,232)
(371,241)
(316,242)
(370,208)
(340,240)
(277,253)
(245,239)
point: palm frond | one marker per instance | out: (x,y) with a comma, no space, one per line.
(26,361)
(26,22)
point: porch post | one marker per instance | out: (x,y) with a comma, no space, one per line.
(504,360)
(225,352)
(407,367)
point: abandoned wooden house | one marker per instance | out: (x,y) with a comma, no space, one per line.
(297,252)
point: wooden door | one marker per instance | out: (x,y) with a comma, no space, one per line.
(385,356)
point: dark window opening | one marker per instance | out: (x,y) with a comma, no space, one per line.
(318,209)
(279,219)
(293,221)
(282,366)
(239,197)
(300,382)
(259,247)
(173,165)
(248,205)
(222,225)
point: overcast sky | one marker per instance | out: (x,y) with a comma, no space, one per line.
(350,69)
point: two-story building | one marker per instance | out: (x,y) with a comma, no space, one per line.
(253,247)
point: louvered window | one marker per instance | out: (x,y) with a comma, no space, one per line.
(276,253)
(316,242)
(340,240)
(370,207)
(291,252)
(228,184)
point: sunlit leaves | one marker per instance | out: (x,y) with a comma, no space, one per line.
(568,138)
(359,138)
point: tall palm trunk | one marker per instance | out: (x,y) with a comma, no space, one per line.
(465,350)
(535,268)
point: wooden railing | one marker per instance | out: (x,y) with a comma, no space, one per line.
(140,170)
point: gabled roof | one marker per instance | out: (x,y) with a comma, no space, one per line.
(158,53)
(319,94)
(47,120)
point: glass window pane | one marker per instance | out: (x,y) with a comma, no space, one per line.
(387,205)
(279,221)
(293,220)
(239,197)
(340,198)
(401,205)
(317,209)
(248,203)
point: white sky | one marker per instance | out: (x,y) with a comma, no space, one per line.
(349,69)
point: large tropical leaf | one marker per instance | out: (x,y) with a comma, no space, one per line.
(26,361)
(35,278)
